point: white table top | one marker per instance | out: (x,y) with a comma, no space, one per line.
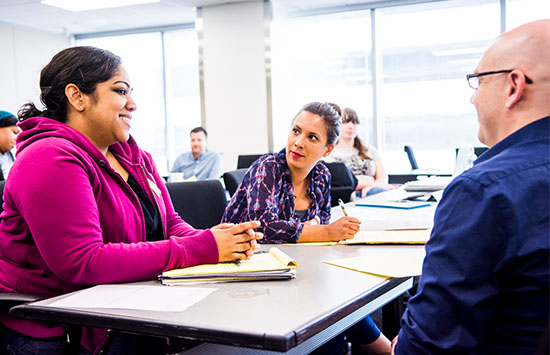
(276,315)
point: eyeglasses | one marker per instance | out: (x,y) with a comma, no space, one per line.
(473,79)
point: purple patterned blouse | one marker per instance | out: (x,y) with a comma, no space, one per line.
(266,195)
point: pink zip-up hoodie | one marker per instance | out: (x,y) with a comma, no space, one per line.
(71,222)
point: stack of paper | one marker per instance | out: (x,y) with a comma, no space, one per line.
(272,265)
(433,183)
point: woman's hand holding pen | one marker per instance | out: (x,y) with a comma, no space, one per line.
(344,228)
(236,241)
(347,226)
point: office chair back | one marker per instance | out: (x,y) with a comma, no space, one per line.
(412,159)
(232,179)
(244,161)
(477,150)
(343,182)
(199,203)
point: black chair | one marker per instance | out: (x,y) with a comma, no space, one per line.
(244,161)
(199,203)
(414,165)
(343,182)
(410,155)
(477,151)
(232,179)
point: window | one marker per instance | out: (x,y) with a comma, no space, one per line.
(183,102)
(423,53)
(166,88)
(320,58)
(519,12)
(426,50)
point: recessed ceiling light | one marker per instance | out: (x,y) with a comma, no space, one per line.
(85,5)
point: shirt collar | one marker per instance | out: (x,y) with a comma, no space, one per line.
(529,132)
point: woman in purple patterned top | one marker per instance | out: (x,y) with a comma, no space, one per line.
(289,192)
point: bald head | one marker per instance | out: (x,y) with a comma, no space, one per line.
(506,102)
(526,47)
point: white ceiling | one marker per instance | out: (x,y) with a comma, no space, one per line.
(32,14)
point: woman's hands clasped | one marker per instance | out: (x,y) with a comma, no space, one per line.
(236,241)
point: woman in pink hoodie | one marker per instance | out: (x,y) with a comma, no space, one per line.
(84,205)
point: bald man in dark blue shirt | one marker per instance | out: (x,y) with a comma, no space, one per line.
(484,287)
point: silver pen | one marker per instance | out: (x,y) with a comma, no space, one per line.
(341,203)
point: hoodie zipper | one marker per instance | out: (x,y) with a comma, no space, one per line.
(154,200)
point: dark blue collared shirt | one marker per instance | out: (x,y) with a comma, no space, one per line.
(266,195)
(485,280)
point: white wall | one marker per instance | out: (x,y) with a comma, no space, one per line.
(234,75)
(24,54)
(234,80)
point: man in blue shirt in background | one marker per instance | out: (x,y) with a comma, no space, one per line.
(484,287)
(199,162)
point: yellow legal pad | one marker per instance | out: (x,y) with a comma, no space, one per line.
(389,265)
(411,236)
(314,244)
(264,265)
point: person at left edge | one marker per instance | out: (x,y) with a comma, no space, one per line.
(84,205)
(8,133)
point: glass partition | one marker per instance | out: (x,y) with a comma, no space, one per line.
(426,50)
(163,68)
(320,58)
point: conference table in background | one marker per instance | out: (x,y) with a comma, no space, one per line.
(261,317)
(378,218)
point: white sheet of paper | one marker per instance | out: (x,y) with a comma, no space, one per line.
(375,219)
(148,298)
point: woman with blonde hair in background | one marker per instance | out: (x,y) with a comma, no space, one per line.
(364,161)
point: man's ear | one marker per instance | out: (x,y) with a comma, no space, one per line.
(74,97)
(514,90)
(329,150)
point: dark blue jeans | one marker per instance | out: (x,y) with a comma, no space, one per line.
(363,332)
(14,343)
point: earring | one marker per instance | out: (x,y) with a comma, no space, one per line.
(81,108)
